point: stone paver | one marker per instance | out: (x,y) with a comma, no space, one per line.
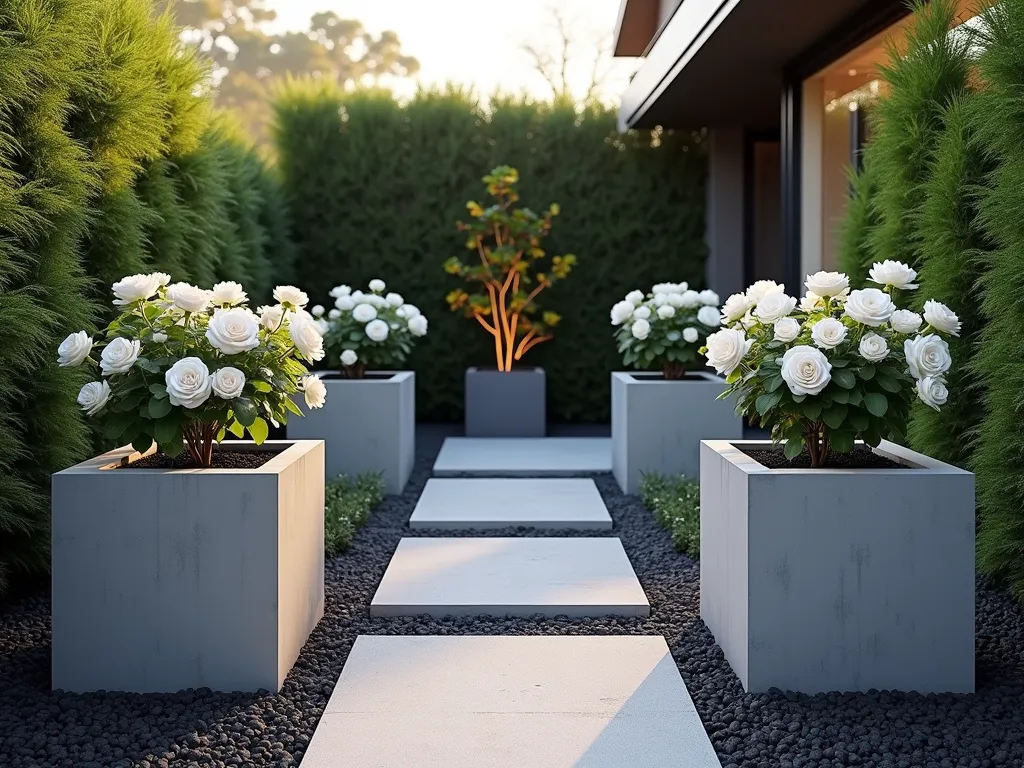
(510,702)
(523,456)
(479,503)
(575,577)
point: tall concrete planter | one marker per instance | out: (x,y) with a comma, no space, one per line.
(506,403)
(369,425)
(657,424)
(171,579)
(818,580)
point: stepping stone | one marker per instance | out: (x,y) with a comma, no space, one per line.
(523,456)
(479,503)
(576,577)
(508,702)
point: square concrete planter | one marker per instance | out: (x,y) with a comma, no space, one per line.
(369,425)
(816,580)
(506,403)
(171,579)
(657,424)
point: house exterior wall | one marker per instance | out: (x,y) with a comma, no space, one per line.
(725,222)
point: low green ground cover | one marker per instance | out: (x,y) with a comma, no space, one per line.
(675,503)
(347,507)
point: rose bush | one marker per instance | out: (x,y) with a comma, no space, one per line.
(842,365)
(183,366)
(664,328)
(369,330)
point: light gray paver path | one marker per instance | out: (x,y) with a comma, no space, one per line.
(510,702)
(523,456)
(478,503)
(575,577)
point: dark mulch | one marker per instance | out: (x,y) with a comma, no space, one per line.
(222,459)
(862,457)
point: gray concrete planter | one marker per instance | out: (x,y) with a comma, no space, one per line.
(171,579)
(657,425)
(369,425)
(506,403)
(818,580)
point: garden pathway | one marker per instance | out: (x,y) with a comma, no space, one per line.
(510,701)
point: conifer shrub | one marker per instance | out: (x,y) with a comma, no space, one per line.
(859,221)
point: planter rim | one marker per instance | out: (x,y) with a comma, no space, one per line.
(640,377)
(393,377)
(294,450)
(918,463)
(530,370)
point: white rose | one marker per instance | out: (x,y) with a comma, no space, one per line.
(666,312)
(93,396)
(905,321)
(932,391)
(313,390)
(736,306)
(763,288)
(74,349)
(395,299)
(869,306)
(119,356)
(927,356)
(786,329)
(227,383)
(827,283)
(691,335)
(344,303)
(661,299)
(188,382)
(340,290)
(828,333)
(665,288)
(634,298)
(307,337)
(377,286)
(642,313)
(774,306)
(895,274)
(675,300)
(410,311)
(708,298)
(641,329)
(941,318)
(134,288)
(358,296)
(726,349)
(621,312)
(228,293)
(364,313)
(188,298)
(418,325)
(873,347)
(159,338)
(233,331)
(709,316)
(334,314)
(689,299)
(805,370)
(810,302)
(289,294)
(272,317)
(349,357)
(162,278)
(377,330)
(317,311)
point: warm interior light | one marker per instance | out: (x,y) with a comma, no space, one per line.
(853,106)
(852,73)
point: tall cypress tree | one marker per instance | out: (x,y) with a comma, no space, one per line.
(859,222)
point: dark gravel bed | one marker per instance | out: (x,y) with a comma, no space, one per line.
(885,730)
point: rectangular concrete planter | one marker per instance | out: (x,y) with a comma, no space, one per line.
(657,424)
(172,579)
(369,425)
(506,403)
(816,580)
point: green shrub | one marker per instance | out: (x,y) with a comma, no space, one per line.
(675,502)
(348,503)
(859,221)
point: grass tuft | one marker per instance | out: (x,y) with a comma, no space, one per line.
(675,502)
(347,507)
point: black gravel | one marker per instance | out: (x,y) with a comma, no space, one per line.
(201,728)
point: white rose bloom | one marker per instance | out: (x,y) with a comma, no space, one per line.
(418,325)
(74,349)
(763,288)
(726,349)
(119,356)
(810,302)
(666,312)
(358,296)
(229,293)
(641,329)
(621,312)
(675,300)
(340,290)
(690,335)
(664,288)
(364,313)
(828,333)
(349,357)
(642,313)
(709,298)
(134,288)
(827,283)
(786,329)
(188,298)
(689,300)
(941,318)
(806,370)
(317,311)
(873,347)
(895,274)
(272,317)
(709,316)
(334,314)
(410,311)
(774,306)
(932,391)
(634,298)
(289,294)
(927,356)
(159,338)
(94,396)
(227,383)
(395,299)
(377,286)
(905,321)
(344,303)
(736,306)
(661,299)
(378,301)
(233,331)
(307,337)
(377,330)
(313,390)
(188,382)
(162,278)
(321,325)
(869,306)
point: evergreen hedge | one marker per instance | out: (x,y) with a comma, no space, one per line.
(376,188)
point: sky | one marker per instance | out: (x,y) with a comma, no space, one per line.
(478,42)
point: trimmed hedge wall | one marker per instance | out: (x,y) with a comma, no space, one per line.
(377,187)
